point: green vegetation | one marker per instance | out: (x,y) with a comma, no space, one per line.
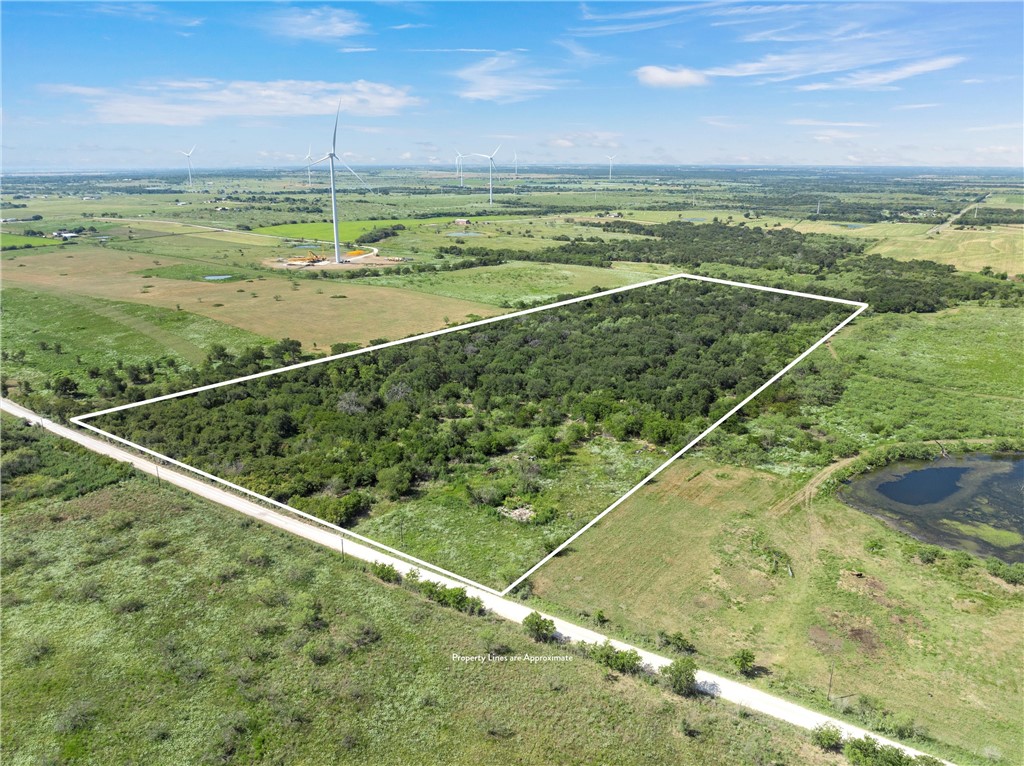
(539,628)
(730,549)
(489,424)
(143,624)
(96,334)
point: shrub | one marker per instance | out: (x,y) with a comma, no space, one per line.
(677,642)
(129,606)
(744,661)
(626,661)
(386,572)
(79,715)
(681,675)
(827,736)
(539,628)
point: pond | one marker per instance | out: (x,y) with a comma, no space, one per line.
(968,502)
(217,277)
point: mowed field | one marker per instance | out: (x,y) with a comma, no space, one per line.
(102,333)
(318,313)
(928,641)
(1001,247)
(939,643)
(522,280)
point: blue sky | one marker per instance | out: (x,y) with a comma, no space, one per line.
(91,86)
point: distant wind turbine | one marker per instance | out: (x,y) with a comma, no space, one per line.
(309,166)
(188,158)
(490,173)
(515,161)
(458,165)
(610,166)
(331,156)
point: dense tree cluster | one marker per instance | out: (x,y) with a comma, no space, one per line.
(656,363)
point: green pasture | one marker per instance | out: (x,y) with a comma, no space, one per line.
(142,624)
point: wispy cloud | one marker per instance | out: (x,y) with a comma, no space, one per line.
(356,50)
(460,50)
(194,102)
(505,78)
(883,79)
(904,107)
(321,24)
(585,139)
(1000,126)
(665,77)
(721,122)
(581,55)
(826,124)
(150,12)
(410,26)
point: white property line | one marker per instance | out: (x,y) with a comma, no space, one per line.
(80,419)
(708,683)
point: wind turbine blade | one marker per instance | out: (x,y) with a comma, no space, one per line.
(322,159)
(334,141)
(496,150)
(350,170)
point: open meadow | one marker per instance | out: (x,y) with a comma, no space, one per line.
(924,652)
(709,545)
(141,623)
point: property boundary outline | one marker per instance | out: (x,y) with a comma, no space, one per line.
(860,307)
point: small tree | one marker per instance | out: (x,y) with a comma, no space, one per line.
(539,628)
(744,661)
(681,675)
(827,736)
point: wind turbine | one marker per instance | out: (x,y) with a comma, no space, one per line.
(358,177)
(188,158)
(515,161)
(490,173)
(309,166)
(458,165)
(610,166)
(331,157)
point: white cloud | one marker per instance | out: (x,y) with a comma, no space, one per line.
(883,79)
(592,139)
(151,12)
(720,122)
(356,50)
(410,26)
(194,102)
(315,23)
(1000,126)
(826,124)
(664,77)
(903,107)
(504,79)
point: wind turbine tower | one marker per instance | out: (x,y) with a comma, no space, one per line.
(610,166)
(490,173)
(309,167)
(331,157)
(188,158)
(458,165)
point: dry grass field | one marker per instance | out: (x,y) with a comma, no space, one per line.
(1001,247)
(318,313)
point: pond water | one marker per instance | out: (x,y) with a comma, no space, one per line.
(217,277)
(969,502)
(464,234)
(695,220)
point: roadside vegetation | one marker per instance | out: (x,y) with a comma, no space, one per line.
(141,623)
